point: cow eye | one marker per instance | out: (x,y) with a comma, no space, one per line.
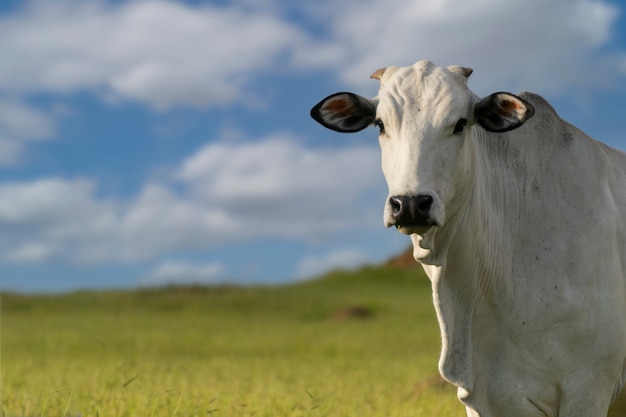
(460,125)
(380,125)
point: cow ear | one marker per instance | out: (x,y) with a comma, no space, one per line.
(501,112)
(345,112)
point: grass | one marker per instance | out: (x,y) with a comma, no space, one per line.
(228,351)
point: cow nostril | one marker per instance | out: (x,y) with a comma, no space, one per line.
(396,205)
(423,203)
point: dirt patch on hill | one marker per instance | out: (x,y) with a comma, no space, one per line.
(352,313)
(404,260)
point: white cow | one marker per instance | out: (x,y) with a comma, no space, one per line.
(519,220)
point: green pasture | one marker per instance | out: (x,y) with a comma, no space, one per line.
(359,344)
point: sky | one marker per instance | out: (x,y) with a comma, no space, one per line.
(156,142)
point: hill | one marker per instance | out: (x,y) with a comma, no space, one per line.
(317,297)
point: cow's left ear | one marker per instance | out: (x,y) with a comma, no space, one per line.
(501,112)
(345,112)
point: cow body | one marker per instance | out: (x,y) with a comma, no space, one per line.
(519,220)
(527,275)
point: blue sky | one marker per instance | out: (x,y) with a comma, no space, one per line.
(152,142)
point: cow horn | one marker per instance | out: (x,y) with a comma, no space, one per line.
(466,71)
(378,73)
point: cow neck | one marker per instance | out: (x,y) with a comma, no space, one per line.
(480,219)
(471,252)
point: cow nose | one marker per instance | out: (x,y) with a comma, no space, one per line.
(411,210)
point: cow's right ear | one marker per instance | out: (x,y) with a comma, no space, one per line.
(345,112)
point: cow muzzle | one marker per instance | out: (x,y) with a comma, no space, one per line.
(410,213)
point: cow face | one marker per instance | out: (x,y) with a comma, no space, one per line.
(424,114)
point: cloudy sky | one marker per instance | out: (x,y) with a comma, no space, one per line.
(149,142)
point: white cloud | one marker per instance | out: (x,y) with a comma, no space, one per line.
(29,252)
(276,186)
(158,52)
(53,217)
(45,202)
(225,193)
(178,272)
(18,119)
(277,167)
(21,124)
(347,258)
(530,44)
(165,53)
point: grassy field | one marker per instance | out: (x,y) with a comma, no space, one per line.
(298,350)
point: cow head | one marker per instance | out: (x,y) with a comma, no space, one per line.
(424,114)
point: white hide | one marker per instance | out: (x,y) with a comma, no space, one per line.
(527,263)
